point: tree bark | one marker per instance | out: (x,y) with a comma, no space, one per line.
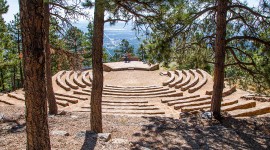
(220,48)
(19,52)
(2,80)
(34,45)
(97,53)
(50,93)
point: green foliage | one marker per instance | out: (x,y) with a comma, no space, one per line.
(124,47)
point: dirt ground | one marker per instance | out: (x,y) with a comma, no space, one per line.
(141,133)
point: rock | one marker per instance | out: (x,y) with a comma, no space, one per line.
(207,115)
(80,134)
(60,133)
(104,136)
(120,141)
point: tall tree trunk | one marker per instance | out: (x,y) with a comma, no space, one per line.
(220,48)
(97,86)
(34,45)
(19,52)
(2,80)
(14,78)
(50,93)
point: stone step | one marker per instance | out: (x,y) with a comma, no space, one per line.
(124,105)
(84,78)
(193,82)
(185,81)
(68,99)
(77,81)
(258,110)
(16,96)
(126,108)
(201,83)
(207,106)
(175,94)
(133,88)
(165,100)
(135,91)
(69,80)
(179,79)
(60,82)
(225,93)
(242,105)
(6,101)
(124,101)
(71,96)
(196,99)
(152,112)
(196,103)
(170,80)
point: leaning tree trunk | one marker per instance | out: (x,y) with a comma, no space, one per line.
(19,53)
(50,93)
(220,48)
(34,39)
(97,86)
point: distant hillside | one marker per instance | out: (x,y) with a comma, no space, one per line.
(114,34)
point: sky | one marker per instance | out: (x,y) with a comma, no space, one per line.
(14,8)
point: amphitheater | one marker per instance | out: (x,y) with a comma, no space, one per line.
(139,89)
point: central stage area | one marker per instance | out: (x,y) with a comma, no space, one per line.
(132,65)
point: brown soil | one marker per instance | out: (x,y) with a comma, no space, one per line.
(188,132)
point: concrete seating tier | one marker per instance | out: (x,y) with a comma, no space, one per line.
(257,110)
(70,100)
(6,102)
(185,81)
(166,100)
(84,78)
(150,94)
(207,106)
(71,96)
(171,79)
(178,80)
(201,83)
(256,98)
(191,83)
(77,81)
(69,80)
(196,99)
(60,82)
(135,91)
(132,89)
(225,93)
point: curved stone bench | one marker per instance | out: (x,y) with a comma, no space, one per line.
(225,93)
(135,91)
(166,100)
(126,88)
(16,96)
(69,82)
(201,83)
(90,77)
(59,81)
(68,99)
(77,81)
(196,99)
(186,81)
(71,96)
(171,79)
(84,78)
(191,83)
(261,109)
(178,80)
(207,106)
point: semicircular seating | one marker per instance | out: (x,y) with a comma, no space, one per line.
(60,82)
(84,78)
(171,79)
(191,83)
(184,82)
(178,80)
(69,82)
(225,93)
(77,81)
(201,83)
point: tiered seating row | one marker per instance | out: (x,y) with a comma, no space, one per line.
(171,79)
(225,93)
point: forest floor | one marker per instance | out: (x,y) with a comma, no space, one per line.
(71,132)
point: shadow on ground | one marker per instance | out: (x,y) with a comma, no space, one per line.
(89,141)
(193,132)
